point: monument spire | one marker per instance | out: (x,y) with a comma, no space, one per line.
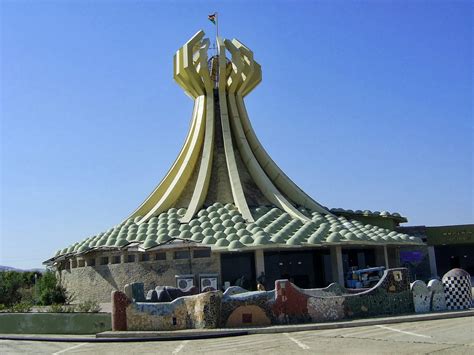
(221,145)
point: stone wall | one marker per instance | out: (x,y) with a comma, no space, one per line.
(287,304)
(97,282)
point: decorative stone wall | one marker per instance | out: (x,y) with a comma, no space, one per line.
(287,304)
(421,296)
(198,311)
(438,298)
(97,282)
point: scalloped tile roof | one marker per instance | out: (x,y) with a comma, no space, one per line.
(368,213)
(223,228)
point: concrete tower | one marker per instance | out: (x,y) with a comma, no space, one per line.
(222,159)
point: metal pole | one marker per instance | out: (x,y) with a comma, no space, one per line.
(217,24)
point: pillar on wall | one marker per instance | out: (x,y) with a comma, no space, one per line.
(336,265)
(385,256)
(259,262)
(393,256)
(379,256)
(432,259)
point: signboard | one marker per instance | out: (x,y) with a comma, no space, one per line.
(411,256)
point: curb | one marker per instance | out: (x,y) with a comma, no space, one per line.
(129,339)
(362,322)
(139,336)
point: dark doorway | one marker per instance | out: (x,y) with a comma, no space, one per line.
(454,262)
(454,256)
(236,265)
(306,269)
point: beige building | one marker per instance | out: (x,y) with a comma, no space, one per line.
(225,211)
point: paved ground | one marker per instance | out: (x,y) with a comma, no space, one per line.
(447,336)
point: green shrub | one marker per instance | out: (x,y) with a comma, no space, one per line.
(3,308)
(50,291)
(60,308)
(16,287)
(27,294)
(22,307)
(88,306)
(10,283)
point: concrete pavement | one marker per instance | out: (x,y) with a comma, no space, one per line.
(450,336)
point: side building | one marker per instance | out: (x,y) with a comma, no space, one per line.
(448,247)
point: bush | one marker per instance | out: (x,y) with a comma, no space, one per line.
(60,308)
(88,306)
(50,291)
(27,294)
(10,283)
(21,307)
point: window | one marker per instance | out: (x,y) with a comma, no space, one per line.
(104,260)
(90,262)
(130,258)
(80,263)
(202,253)
(145,257)
(116,259)
(160,256)
(182,254)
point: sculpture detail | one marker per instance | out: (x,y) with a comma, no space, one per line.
(218,87)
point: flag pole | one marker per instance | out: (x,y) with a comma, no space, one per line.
(217,24)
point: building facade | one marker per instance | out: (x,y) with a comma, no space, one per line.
(225,208)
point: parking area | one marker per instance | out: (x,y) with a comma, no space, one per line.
(452,336)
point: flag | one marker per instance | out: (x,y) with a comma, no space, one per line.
(212,18)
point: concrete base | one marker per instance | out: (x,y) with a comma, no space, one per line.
(54,323)
(192,333)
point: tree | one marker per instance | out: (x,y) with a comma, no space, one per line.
(50,291)
(10,283)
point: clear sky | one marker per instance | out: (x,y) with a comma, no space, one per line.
(364,104)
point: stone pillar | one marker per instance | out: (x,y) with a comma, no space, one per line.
(432,259)
(385,255)
(123,258)
(259,262)
(336,265)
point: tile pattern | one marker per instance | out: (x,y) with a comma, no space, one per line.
(458,292)
(287,304)
(222,227)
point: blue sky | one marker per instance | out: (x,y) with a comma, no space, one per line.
(364,104)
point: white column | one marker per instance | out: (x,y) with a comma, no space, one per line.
(259,262)
(432,259)
(336,265)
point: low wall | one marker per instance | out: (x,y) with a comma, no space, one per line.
(54,323)
(287,304)
(95,283)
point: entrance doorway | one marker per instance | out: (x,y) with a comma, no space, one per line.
(306,269)
(239,268)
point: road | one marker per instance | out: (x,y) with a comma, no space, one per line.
(446,336)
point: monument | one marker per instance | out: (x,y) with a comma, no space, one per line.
(225,208)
